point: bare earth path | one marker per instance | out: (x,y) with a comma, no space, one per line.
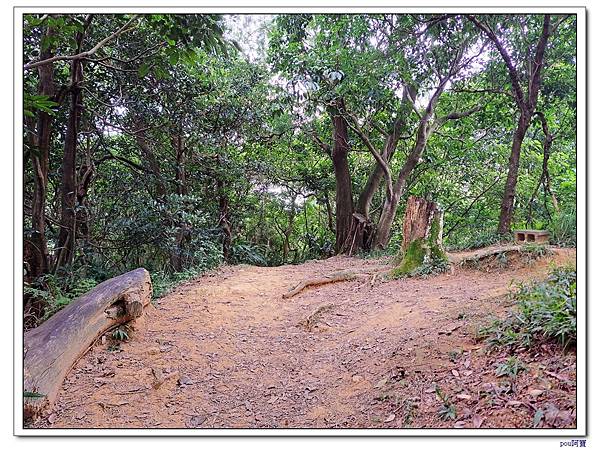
(227,351)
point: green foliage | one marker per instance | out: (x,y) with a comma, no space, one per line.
(32,103)
(545,311)
(207,151)
(475,240)
(563,228)
(57,291)
(164,282)
(29,394)
(511,367)
(447,411)
(246,254)
(120,333)
(533,251)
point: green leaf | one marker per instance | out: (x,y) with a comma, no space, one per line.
(174,58)
(143,70)
(29,394)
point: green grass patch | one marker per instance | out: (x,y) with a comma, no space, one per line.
(545,311)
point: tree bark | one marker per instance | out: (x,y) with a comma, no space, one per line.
(508,198)
(68,224)
(35,250)
(363,205)
(390,205)
(224,217)
(51,350)
(148,154)
(421,236)
(344,206)
(526,104)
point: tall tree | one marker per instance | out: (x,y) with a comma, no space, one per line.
(525,88)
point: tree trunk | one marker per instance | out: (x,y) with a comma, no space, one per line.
(224,217)
(508,199)
(35,250)
(421,236)
(51,350)
(344,206)
(363,204)
(148,154)
(68,223)
(390,206)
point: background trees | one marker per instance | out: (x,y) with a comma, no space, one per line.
(160,141)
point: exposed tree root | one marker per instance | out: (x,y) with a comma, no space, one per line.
(335,277)
(501,256)
(311,321)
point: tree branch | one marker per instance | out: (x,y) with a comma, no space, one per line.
(355,126)
(85,54)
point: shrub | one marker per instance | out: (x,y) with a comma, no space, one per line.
(545,311)
(54,292)
(563,229)
(476,240)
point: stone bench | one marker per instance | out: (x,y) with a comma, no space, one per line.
(532,236)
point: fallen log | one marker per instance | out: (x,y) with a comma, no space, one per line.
(53,348)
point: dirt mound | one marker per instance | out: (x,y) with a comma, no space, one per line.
(227,351)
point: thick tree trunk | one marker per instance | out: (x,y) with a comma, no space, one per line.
(421,236)
(35,247)
(51,350)
(508,199)
(68,223)
(344,206)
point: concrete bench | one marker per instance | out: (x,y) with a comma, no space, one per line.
(531,236)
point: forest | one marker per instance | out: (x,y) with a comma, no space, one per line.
(289,147)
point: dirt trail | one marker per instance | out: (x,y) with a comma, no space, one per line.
(227,351)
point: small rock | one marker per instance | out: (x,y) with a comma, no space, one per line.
(184,380)
(477,421)
(381,383)
(52,418)
(153,351)
(390,418)
(357,378)
(80,415)
(536,392)
(460,424)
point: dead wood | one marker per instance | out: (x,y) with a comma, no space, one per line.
(335,277)
(484,254)
(53,348)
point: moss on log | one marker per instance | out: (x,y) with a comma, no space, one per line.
(422,238)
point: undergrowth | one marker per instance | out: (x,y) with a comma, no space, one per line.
(486,238)
(563,229)
(545,311)
(54,292)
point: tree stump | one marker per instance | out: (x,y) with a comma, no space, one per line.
(53,348)
(421,237)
